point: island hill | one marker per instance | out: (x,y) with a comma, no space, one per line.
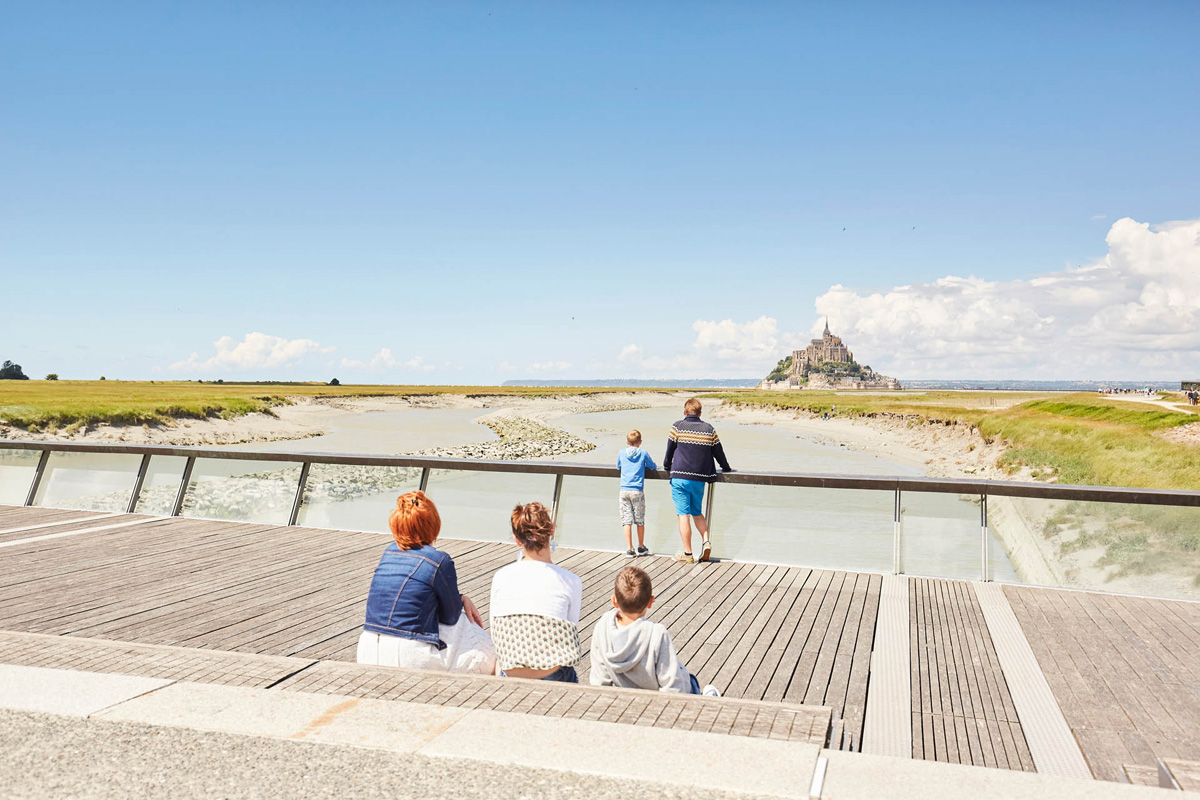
(826,363)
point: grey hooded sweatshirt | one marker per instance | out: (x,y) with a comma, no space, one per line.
(636,656)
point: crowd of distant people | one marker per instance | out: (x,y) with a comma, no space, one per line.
(417,616)
(1193,396)
(1145,390)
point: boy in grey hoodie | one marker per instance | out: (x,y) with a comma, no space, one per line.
(630,651)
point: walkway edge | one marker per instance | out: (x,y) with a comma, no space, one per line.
(63,534)
(1051,742)
(887,730)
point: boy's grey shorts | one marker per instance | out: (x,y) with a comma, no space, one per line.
(633,507)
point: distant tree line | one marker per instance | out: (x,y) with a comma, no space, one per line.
(12,372)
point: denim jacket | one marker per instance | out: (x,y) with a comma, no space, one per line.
(412,591)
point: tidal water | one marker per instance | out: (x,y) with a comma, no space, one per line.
(842,529)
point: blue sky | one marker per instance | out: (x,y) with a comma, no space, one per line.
(466,193)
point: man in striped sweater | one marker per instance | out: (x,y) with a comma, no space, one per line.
(692,445)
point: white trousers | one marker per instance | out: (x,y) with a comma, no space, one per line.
(468,649)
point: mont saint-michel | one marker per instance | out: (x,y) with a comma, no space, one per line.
(827,363)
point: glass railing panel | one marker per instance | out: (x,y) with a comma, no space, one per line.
(847,529)
(1114,547)
(941,538)
(250,491)
(17,468)
(354,498)
(93,481)
(588,515)
(161,485)
(478,505)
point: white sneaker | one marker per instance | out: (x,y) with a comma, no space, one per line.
(711,691)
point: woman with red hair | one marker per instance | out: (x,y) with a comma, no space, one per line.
(416,617)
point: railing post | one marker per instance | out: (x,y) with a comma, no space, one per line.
(558,482)
(983,527)
(424,479)
(137,485)
(37,477)
(299,493)
(897,563)
(183,485)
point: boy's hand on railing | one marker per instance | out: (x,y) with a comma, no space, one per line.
(471,611)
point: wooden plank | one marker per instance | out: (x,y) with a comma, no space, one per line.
(791,646)
(773,658)
(836,642)
(798,685)
(747,656)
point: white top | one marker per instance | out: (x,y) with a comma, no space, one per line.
(535,587)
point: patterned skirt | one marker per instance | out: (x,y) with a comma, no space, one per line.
(534,642)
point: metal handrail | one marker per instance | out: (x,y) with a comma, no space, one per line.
(1041,491)
(897,484)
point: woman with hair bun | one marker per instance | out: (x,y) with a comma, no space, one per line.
(535,605)
(416,617)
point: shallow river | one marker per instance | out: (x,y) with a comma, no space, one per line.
(846,529)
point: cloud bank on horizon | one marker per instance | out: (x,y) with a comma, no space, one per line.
(1133,314)
(255,351)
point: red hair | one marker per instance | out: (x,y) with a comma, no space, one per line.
(415,521)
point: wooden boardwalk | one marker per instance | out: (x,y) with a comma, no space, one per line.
(966,713)
(763,633)
(1125,671)
(760,632)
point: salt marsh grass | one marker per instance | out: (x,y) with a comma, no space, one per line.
(57,405)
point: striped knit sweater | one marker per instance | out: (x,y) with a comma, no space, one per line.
(691,447)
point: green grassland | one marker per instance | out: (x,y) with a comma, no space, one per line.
(43,405)
(1070,438)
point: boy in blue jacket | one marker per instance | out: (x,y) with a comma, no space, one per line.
(633,462)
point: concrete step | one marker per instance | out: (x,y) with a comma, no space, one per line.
(728,716)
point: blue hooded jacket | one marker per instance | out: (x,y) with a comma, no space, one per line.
(633,463)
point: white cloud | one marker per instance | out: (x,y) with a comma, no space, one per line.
(549,366)
(256,351)
(1133,314)
(630,352)
(720,349)
(384,360)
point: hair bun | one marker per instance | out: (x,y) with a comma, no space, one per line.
(532,525)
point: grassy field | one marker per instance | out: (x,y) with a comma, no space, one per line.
(41,405)
(1070,438)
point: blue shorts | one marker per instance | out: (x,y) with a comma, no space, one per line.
(688,496)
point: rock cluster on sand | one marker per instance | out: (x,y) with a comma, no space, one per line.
(520,438)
